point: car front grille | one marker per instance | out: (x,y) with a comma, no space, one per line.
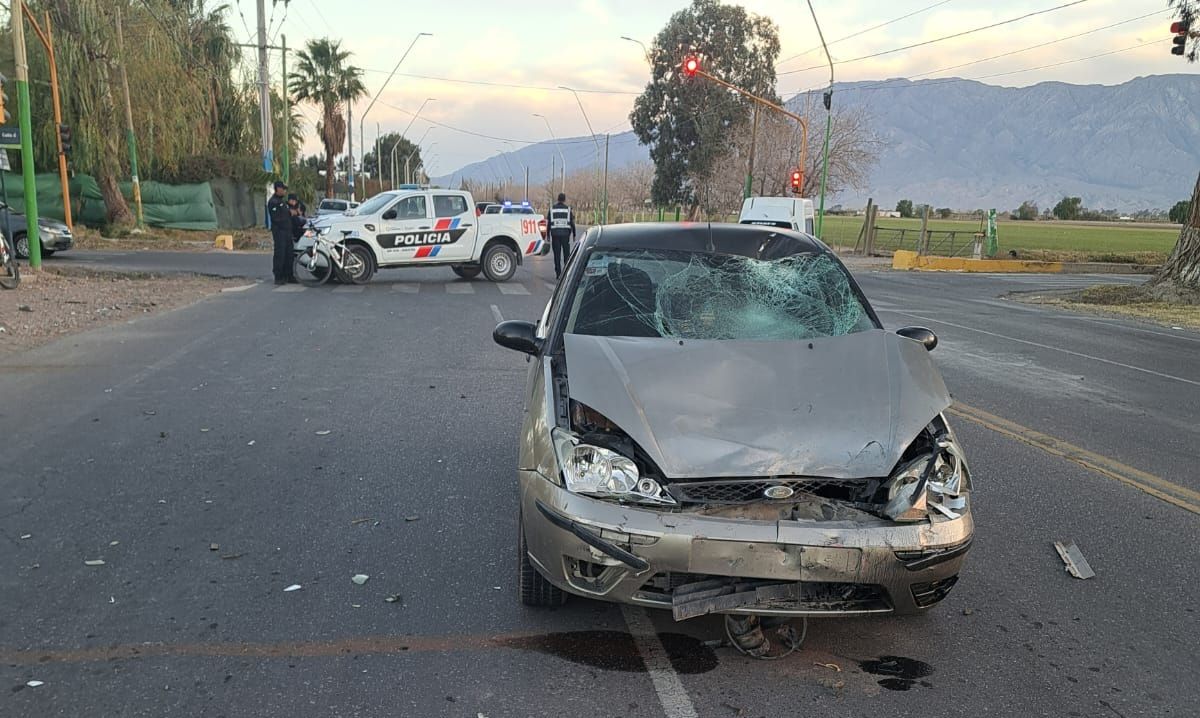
(741,491)
(808,596)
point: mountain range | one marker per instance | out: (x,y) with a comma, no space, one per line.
(965,144)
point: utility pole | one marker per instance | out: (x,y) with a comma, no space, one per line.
(129,136)
(750,168)
(828,122)
(604,211)
(350,146)
(264,92)
(26,124)
(378,160)
(287,116)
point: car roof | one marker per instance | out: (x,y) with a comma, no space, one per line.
(745,240)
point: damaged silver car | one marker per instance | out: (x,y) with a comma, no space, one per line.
(716,422)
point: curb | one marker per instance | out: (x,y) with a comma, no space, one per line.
(909,260)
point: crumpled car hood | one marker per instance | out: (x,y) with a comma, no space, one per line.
(838,407)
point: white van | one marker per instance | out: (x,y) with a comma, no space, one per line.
(792,213)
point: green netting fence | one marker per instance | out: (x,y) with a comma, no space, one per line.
(185,206)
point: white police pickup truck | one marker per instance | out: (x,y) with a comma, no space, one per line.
(409,228)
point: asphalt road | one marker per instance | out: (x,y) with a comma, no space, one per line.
(145,445)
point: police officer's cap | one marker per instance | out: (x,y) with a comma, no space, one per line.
(280,185)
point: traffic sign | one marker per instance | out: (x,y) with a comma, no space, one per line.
(10,137)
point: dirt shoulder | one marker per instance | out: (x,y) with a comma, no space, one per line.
(176,240)
(61,301)
(1136,302)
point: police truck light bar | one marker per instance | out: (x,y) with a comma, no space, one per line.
(1180,30)
(691,65)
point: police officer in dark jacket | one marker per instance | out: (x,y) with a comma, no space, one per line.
(281,233)
(562,231)
(299,219)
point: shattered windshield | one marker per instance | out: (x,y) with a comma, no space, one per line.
(686,295)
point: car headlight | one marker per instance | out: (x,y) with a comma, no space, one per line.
(603,473)
(936,481)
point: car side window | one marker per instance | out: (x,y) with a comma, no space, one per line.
(449,205)
(411,207)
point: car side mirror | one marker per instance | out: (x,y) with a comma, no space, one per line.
(390,214)
(920,334)
(517,335)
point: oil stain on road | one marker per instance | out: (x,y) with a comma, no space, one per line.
(616,651)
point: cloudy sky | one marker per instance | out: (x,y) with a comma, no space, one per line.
(529,48)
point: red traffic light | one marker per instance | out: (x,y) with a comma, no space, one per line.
(1179,26)
(691,65)
(797,180)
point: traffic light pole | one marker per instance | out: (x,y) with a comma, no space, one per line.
(750,166)
(26,124)
(828,122)
(130,137)
(48,43)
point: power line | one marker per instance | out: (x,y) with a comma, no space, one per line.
(862,32)
(480,134)
(939,39)
(511,85)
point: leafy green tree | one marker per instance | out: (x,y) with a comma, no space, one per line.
(687,121)
(945,212)
(905,208)
(1028,211)
(1068,208)
(403,148)
(324,78)
(1179,213)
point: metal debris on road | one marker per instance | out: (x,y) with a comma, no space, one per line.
(250,443)
(293,587)
(113,543)
(412,518)
(355,522)
(359,578)
(149,412)
(394,598)
(94,562)
(231,556)
(324,432)
(26,536)
(1076,564)
(214,547)
(34,684)
(830,666)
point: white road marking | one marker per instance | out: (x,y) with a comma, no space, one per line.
(406,287)
(670,690)
(290,288)
(512,289)
(460,288)
(496,313)
(239,289)
(1051,348)
(349,289)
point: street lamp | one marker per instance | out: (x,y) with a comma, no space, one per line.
(604,197)
(524,167)
(560,153)
(644,50)
(363,116)
(416,149)
(828,122)
(396,144)
(410,124)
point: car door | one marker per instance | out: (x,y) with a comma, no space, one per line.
(403,230)
(453,227)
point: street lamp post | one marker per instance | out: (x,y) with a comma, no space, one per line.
(828,123)
(396,144)
(560,152)
(604,196)
(363,116)
(644,50)
(407,177)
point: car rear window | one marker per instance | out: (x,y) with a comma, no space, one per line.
(685,295)
(332,204)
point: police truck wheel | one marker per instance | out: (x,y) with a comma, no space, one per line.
(467,271)
(532,586)
(359,265)
(499,263)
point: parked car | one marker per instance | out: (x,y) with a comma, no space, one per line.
(407,228)
(480,207)
(716,421)
(335,206)
(53,235)
(794,213)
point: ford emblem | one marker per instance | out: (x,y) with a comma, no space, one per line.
(778,492)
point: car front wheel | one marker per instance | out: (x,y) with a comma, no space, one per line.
(21,246)
(533,587)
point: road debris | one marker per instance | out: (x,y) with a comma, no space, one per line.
(250,443)
(114,543)
(149,412)
(1076,564)
(355,522)
(34,684)
(231,556)
(830,666)
(968,611)
(412,518)
(205,431)
(324,432)
(293,587)
(94,562)
(26,536)
(737,712)
(27,308)
(394,598)
(359,578)
(214,547)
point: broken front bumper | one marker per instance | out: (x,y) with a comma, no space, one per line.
(694,563)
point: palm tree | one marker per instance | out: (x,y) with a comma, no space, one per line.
(324,79)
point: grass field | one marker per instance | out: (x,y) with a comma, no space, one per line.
(1038,238)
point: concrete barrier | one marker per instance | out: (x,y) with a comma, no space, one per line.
(905,259)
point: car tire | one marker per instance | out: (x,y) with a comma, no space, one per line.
(368,264)
(532,586)
(21,245)
(499,263)
(467,271)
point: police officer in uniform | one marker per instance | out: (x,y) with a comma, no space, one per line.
(562,231)
(281,233)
